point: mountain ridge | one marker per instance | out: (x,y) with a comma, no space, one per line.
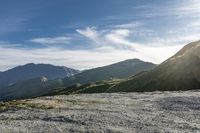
(31,70)
(122,69)
(117,70)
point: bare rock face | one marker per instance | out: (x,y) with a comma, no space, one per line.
(148,112)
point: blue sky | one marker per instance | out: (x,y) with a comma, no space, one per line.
(85,34)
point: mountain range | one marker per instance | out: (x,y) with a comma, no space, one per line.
(30,71)
(180,72)
(44,85)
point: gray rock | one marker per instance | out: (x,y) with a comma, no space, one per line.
(151,112)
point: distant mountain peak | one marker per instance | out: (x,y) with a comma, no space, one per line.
(30,64)
(132,60)
(31,70)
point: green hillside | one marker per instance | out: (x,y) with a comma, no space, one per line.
(118,70)
(180,72)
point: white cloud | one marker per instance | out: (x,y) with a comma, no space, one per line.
(122,38)
(155,50)
(53,40)
(173,40)
(118,36)
(90,33)
(110,46)
(107,37)
(188,7)
(83,59)
(130,25)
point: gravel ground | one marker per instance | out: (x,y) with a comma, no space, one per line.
(152,112)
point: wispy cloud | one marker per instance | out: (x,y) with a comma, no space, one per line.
(90,33)
(10,25)
(106,37)
(7,44)
(131,25)
(52,40)
(80,59)
(189,8)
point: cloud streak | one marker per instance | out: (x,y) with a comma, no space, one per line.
(53,40)
(107,37)
(10,25)
(90,33)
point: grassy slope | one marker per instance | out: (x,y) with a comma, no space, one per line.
(119,70)
(96,87)
(180,72)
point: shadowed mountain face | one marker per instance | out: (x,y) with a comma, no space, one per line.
(180,72)
(37,87)
(112,72)
(28,88)
(118,70)
(30,71)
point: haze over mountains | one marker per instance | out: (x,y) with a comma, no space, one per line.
(43,85)
(30,71)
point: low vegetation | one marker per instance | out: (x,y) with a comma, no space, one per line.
(96,87)
(23,104)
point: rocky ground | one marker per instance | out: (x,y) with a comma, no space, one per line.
(152,112)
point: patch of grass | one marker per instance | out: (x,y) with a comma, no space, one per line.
(93,87)
(24,104)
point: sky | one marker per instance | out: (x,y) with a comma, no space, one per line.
(85,34)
